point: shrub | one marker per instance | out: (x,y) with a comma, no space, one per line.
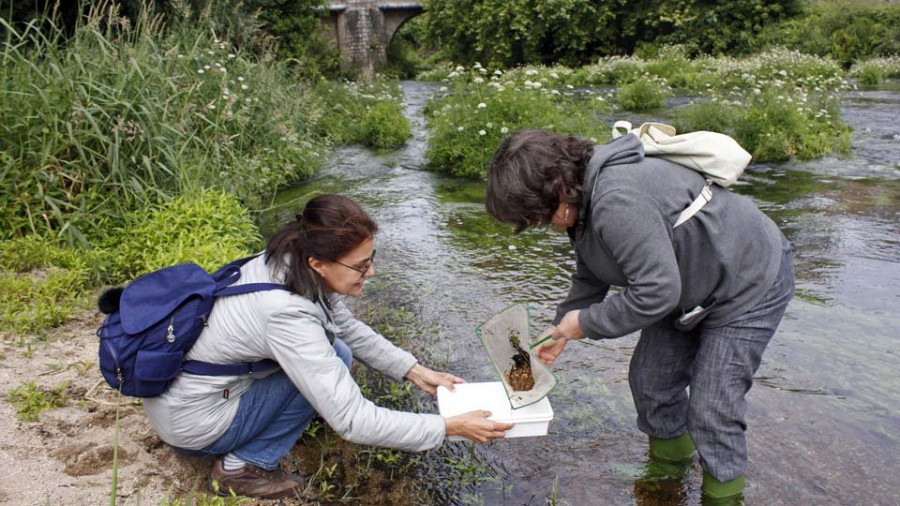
(384,126)
(363,113)
(209,228)
(469,121)
(643,94)
(707,115)
(42,283)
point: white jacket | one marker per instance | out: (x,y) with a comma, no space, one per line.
(293,331)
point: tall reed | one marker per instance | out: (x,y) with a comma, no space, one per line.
(119,115)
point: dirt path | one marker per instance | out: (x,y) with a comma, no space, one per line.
(66,457)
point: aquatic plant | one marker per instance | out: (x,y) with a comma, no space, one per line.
(477,109)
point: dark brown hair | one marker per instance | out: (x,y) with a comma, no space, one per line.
(329,227)
(528,171)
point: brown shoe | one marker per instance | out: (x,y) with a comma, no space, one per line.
(255,482)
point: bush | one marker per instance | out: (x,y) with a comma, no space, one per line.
(847,31)
(643,94)
(42,283)
(209,228)
(707,115)
(875,70)
(469,121)
(384,126)
(363,113)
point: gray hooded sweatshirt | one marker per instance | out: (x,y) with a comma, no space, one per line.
(723,259)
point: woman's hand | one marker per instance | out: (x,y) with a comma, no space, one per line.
(568,329)
(429,380)
(550,350)
(475,425)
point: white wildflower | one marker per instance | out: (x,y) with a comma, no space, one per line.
(241,79)
(482,105)
(231,56)
(482,132)
(460,129)
(478,80)
(498,72)
(504,130)
(244,87)
(201,71)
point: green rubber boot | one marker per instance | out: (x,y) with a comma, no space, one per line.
(722,491)
(673,450)
(665,477)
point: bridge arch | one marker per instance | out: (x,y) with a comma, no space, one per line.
(363,29)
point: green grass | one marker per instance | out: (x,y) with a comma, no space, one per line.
(119,116)
(31,400)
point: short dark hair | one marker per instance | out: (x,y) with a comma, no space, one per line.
(528,171)
(329,227)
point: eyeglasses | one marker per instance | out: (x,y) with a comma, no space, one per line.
(362,269)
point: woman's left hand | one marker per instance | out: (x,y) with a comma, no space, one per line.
(429,380)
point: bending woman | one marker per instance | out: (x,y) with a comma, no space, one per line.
(707,296)
(253,420)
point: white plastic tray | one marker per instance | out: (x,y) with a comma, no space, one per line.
(532,420)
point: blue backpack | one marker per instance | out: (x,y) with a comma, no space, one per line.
(157,318)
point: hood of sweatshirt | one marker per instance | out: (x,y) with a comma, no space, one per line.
(623,150)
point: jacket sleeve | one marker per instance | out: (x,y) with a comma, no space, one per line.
(586,290)
(298,342)
(370,347)
(640,240)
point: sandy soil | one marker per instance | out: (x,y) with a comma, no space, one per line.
(66,457)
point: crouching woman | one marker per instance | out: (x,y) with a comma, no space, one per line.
(251,421)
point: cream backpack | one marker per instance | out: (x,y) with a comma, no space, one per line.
(717,156)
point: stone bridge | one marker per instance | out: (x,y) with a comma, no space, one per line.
(363,29)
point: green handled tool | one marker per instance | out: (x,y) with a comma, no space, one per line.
(535,345)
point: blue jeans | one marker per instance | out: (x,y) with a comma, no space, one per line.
(717,366)
(271,416)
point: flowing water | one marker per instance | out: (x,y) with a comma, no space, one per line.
(824,416)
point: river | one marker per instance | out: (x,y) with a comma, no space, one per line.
(824,415)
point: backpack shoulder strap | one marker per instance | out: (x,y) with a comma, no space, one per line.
(210,369)
(248,288)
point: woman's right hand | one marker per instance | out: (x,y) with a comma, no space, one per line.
(475,425)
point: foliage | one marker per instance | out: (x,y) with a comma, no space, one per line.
(643,94)
(774,124)
(31,400)
(364,113)
(512,33)
(41,283)
(470,118)
(846,30)
(123,115)
(713,26)
(874,70)
(574,31)
(209,228)
(384,126)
